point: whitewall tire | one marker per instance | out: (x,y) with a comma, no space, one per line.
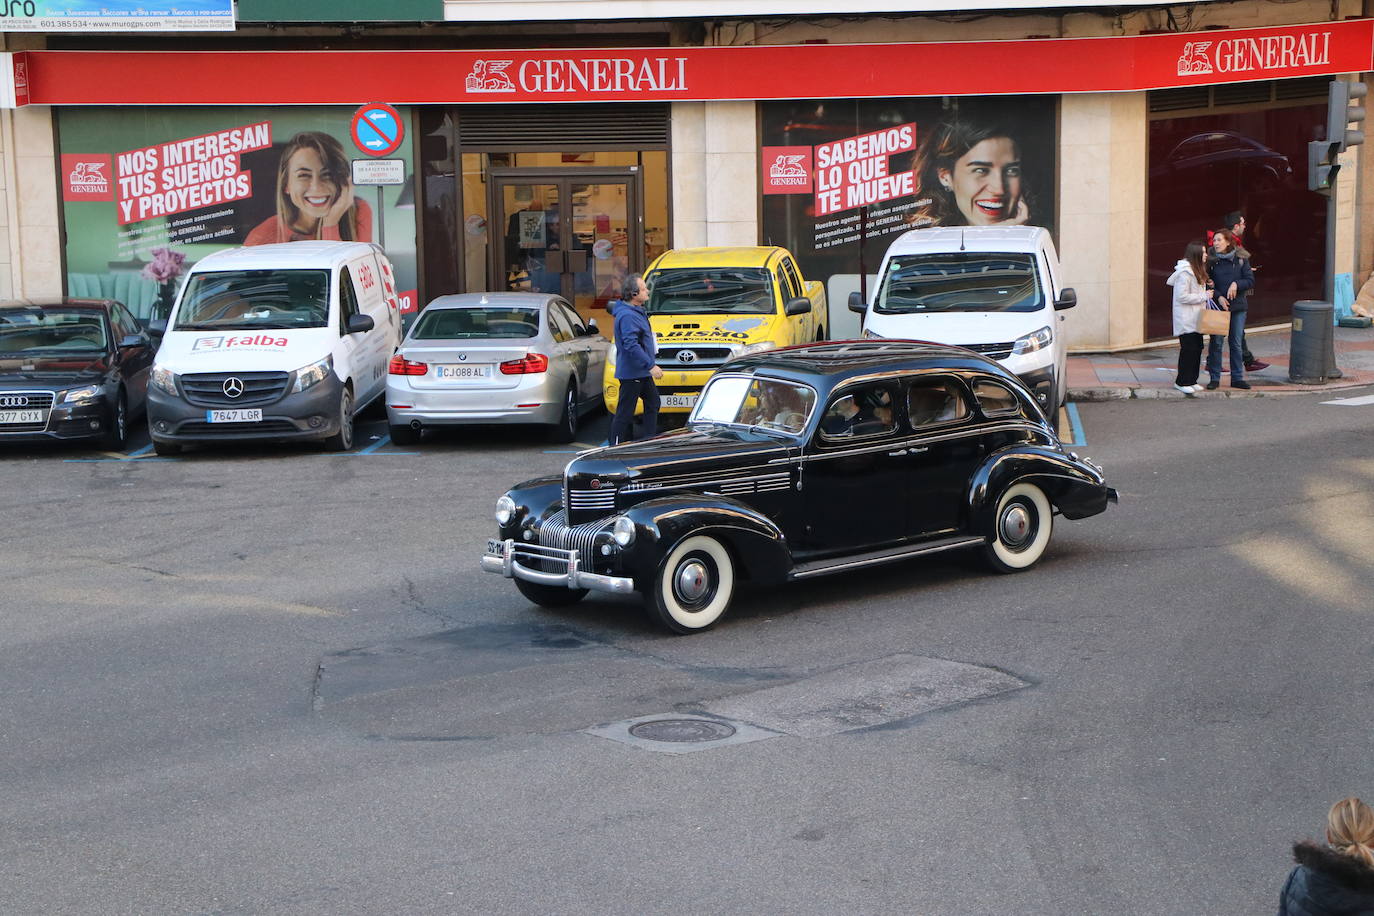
(693,586)
(1021,528)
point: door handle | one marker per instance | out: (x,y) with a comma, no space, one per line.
(917,451)
(897,454)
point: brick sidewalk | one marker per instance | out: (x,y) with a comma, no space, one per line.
(1150,373)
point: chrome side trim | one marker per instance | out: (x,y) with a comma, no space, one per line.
(889,558)
(727,486)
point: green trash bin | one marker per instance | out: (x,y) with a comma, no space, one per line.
(1310,350)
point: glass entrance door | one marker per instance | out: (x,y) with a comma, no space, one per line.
(571,232)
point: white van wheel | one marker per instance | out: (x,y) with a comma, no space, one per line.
(342,441)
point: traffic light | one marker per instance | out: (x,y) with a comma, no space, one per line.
(1322,163)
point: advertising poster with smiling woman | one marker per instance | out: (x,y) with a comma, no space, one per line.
(149,191)
(842,178)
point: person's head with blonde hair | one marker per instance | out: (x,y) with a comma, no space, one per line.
(1350,829)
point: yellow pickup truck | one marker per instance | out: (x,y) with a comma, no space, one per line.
(707,305)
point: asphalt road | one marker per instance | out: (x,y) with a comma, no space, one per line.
(273,680)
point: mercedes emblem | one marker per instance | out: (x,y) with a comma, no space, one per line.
(233,387)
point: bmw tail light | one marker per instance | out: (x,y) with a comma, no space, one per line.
(530,364)
(401,366)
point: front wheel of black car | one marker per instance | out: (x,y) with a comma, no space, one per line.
(550,595)
(118,432)
(1021,528)
(693,586)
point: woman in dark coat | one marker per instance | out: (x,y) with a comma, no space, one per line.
(1232,278)
(1336,879)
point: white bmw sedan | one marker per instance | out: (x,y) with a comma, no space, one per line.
(479,358)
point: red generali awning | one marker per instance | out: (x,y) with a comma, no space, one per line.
(1114,64)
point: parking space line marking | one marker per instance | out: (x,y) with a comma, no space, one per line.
(1075,425)
(376,445)
(1352,402)
(94,460)
(141,452)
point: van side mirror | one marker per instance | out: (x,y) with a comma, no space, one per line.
(157,326)
(357,324)
(798,306)
(1067,299)
(857,304)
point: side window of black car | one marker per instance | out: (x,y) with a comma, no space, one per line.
(124,324)
(861,412)
(935,402)
(995,400)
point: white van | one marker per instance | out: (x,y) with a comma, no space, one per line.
(277,342)
(993,289)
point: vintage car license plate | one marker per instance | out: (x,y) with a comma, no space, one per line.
(239,415)
(679,400)
(462,372)
(21,416)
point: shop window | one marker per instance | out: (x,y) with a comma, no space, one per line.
(1205,165)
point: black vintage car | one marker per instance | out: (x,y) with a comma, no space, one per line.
(71,369)
(796,463)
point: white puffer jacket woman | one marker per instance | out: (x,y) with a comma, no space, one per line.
(1190,297)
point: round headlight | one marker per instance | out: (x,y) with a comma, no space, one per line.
(505,510)
(623,531)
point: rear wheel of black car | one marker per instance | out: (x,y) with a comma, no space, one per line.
(565,430)
(1021,528)
(118,432)
(550,595)
(693,586)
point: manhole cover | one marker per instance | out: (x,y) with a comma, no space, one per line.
(682,731)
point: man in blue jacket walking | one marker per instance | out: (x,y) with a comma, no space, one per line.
(634,363)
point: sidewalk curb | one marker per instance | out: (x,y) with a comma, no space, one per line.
(1147,393)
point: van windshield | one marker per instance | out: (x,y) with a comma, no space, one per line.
(249,300)
(963,281)
(710,291)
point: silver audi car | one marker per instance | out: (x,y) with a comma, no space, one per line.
(495,358)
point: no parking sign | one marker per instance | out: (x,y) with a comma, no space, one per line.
(377,129)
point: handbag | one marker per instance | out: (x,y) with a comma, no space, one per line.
(1215,321)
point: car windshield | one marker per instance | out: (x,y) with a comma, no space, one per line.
(248,300)
(711,291)
(965,281)
(51,329)
(737,400)
(476,324)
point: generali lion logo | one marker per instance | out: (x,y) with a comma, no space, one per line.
(490,76)
(88,177)
(1194,60)
(788,170)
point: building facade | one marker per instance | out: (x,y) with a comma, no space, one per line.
(564,150)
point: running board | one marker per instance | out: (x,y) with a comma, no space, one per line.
(891,555)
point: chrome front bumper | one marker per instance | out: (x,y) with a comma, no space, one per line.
(509,558)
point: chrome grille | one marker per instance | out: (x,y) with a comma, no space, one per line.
(206,389)
(555,531)
(584,504)
(702,357)
(33,400)
(992,350)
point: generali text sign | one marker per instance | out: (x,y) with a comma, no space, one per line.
(1114,64)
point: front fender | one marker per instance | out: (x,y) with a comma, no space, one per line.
(758,545)
(536,498)
(1076,488)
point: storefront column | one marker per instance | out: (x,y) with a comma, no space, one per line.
(689,174)
(1102,182)
(30,238)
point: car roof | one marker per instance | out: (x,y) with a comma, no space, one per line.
(69,302)
(831,363)
(284,255)
(968,238)
(497,300)
(740,256)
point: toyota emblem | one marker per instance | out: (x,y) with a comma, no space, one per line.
(686,356)
(14,400)
(232,387)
